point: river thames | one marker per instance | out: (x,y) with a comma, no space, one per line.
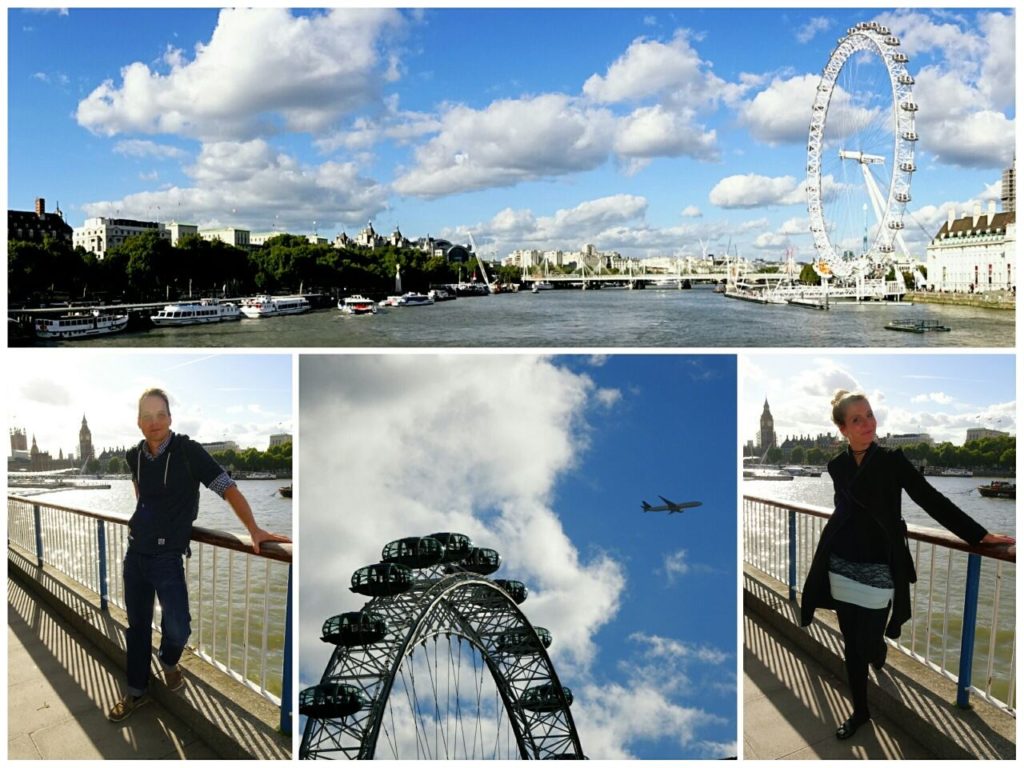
(597,318)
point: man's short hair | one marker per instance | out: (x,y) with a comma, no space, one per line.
(155,392)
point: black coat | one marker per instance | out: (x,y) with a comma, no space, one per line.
(875,487)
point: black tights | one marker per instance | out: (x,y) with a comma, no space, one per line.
(862,630)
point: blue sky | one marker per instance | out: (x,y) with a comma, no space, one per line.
(942,395)
(245,398)
(547,460)
(650,131)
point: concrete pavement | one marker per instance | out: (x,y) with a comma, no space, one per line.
(795,694)
(59,689)
(792,706)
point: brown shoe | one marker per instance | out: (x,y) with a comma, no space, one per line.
(173,678)
(126,706)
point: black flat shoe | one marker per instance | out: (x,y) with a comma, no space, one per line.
(879,662)
(847,729)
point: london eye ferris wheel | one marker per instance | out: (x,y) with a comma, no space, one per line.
(441,663)
(860,154)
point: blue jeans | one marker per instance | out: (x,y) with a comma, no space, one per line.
(145,577)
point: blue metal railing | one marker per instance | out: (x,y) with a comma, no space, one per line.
(65,538)
(780,537)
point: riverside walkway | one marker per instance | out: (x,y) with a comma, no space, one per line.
(60,687)
(795,695)
(66,645)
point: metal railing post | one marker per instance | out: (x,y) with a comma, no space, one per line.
(37,515)
(101,544)
(792,555)
(963,686)
(286,672)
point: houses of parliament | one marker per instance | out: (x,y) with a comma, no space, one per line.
(24,458)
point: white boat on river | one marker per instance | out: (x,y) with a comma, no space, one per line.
(409,299)
(196,313)
(78,324)
(270,306)
(357,305)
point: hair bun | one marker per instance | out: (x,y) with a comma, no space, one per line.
(838,396)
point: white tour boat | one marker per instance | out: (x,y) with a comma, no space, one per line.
(413,300)
(357,305)
(542,285)
(80,324)
(196,313)
(270,306)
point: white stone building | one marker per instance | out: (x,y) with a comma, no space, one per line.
(98,235)
(230,235)
(895,441)
(974,253)
(178,231)
(979,433)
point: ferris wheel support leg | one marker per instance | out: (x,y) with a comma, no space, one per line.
(877,201)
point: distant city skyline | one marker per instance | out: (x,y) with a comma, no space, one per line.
(651,132)
(244,398)
(941,395)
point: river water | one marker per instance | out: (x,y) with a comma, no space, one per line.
(595,318)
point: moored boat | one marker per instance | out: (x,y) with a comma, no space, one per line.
(998,489)
(269,306)
(357,305)
(196,313)
(412,299)
(442,293)
(80,324)
(541,285)
(916,326)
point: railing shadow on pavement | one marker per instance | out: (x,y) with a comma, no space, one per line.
(912,695)
(85,682)
(236,722)
(802,702)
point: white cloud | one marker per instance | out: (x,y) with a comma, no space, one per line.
(260,67)
(770,115)
(143,148)
(251,184)
(567,228)
(675,565)
(394,460)
(968,96)
(810,30)
(510,141)
(660,132)
(753,190)
(611,718)
(691,212)
(673,71)
(932,397)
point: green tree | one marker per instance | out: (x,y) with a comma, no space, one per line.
(808,276)
(798,454)
(149,264)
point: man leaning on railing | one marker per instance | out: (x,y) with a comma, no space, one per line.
(166,470)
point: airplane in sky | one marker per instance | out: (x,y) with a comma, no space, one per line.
(670,506)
